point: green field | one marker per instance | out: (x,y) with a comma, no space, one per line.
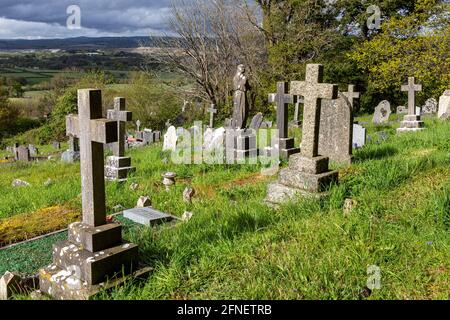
(235,247)
(34,76)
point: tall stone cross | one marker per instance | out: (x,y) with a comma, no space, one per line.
(93,132)
(212,111)
(411,88)
(313,90)
(282,99)
(352,95)
(122,117)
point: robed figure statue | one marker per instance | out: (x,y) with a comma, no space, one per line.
(240,103)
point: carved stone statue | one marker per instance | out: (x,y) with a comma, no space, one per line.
(240,103)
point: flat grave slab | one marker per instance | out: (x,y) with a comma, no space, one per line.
(147,216)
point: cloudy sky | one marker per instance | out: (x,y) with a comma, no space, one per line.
(38,19)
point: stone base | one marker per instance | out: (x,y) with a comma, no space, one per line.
(278,194)
(95,267)
(307,181)
(307,177)
(68,287)
(118,168)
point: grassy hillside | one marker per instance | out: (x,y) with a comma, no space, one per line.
(235,247)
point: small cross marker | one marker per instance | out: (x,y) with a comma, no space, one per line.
(212,111)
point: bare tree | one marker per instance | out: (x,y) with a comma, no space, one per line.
(211,38)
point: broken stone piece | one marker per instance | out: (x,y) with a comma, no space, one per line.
(144,202)
(20,183)
(188,194)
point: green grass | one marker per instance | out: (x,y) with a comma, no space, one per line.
(235,247)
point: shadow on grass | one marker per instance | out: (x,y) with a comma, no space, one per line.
(375,154)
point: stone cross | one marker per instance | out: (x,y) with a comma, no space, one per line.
(313,90)
(411,88)
(212,111)
(122,117)
(282,98)
(93,132)
(352,95)
(138,125)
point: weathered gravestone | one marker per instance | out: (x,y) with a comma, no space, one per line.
(359,136)
(214,148)
(412,121)
(296,123)
(95,251)
(308,173)
(23,154)
(73,154)
(257,121)
(56,145)
(118,166)
(156,136)
(148,137)
(336,130)
(170,139)
(282,99)
(402,110)
(382,113)
(430,107)
(444,105)
(33,150)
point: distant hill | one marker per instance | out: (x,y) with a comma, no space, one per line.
(81,43)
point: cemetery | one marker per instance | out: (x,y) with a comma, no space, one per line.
(294,192)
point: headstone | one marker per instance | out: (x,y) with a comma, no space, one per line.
(216,141)
(382,112)
(170,139)
(118,166)
(23,154)
(336,130)
(33,150)
(282,99)
(15,151)
(412,121)
(156,136)
(359,136)
(257,121)
(73,154)
(444,105)
(308,174)
(430,107)
(95,250)
(148,137)
(147,216)
(296,122)
(402,110)
(207,137)
(56,145)
(212,111)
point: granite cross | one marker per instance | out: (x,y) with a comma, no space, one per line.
(122,117)
(411,88)
(93,132)
(282,98)
(313,90)
(212,111)
(352,95)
